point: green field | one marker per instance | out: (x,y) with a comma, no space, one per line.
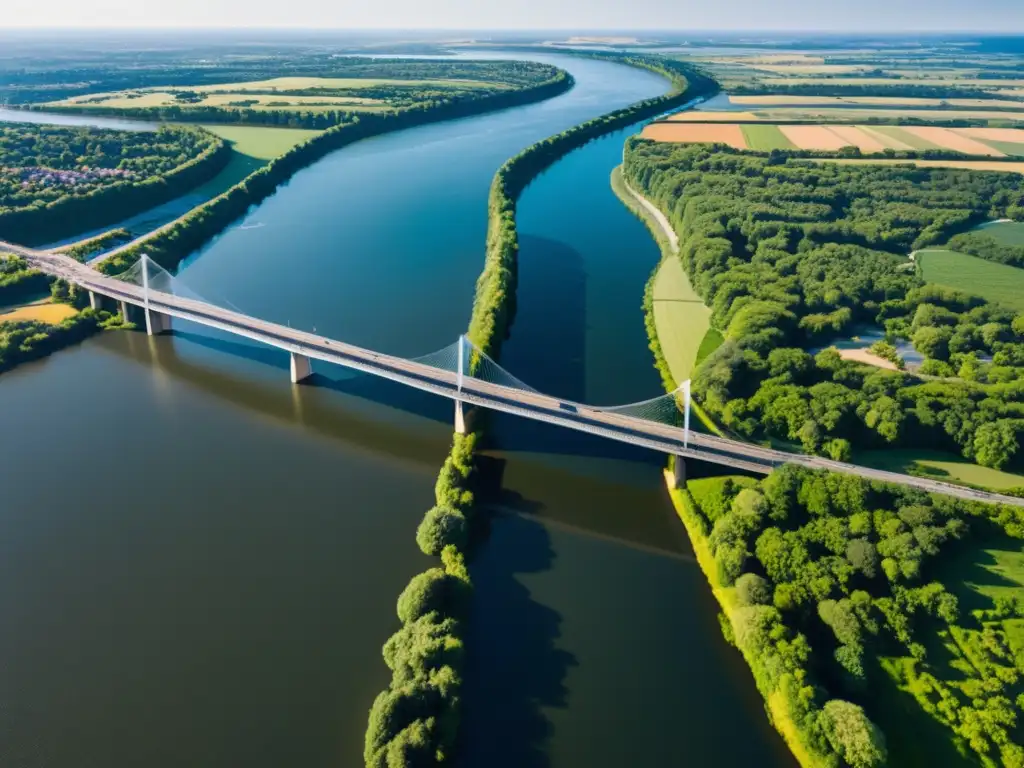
(996,282)
(906,137)
(765,137)
(253,148)
(680,317)
(1008,232)
(941,466)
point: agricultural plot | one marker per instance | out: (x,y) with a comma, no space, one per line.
(874,101)
(680,317)
(869,139)
(1007,232)
(766,138)
(998,283)
(697,133)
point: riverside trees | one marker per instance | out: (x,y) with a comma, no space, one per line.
(790,255)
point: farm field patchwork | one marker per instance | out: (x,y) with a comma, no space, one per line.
(696,133)
(869,139)
(998,283)
(874,101)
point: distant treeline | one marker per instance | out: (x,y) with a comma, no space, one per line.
(896,90)
(18,281)
(104,205)
(24,85)
(171,245)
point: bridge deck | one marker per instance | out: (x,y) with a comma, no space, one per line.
(526,403)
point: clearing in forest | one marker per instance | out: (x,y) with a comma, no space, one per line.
(680,318)
(998,283)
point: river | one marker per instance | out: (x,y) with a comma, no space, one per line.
(200,561)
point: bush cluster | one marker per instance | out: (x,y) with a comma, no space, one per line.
(832,572)
(789,256)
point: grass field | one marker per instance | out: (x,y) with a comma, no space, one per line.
(1009,232)
(999,283)
(875,101)
(43,312)
(766,137)
(680,317)
(942,466)
(253,147)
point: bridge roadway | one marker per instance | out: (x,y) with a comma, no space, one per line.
(526,403)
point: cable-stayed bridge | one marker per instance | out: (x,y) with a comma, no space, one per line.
(461,373)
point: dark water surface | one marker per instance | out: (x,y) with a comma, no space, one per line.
(199,562)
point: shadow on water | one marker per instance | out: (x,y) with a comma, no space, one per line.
(514,669)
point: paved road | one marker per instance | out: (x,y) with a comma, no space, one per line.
(525,403)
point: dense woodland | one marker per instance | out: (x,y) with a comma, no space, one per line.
(792,255)
(837,589)
(58,180)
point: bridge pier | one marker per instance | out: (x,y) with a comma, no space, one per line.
(678,477)
(124,311)
(460,419)
(157,322)
(94,300)
(301,367)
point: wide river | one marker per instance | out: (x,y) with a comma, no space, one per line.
(199,562)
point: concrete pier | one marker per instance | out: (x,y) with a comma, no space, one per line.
(301,367)
(460,419)
(157,322)
(124,310)
(678,479)
(94,300)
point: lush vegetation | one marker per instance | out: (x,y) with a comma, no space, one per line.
(415,721)
(58,180)
(18,281)
(171,245)
(86,249)
(852,604)
(789,256)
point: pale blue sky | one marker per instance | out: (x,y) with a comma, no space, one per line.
(1004,16)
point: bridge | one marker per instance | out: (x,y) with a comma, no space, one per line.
(461,373)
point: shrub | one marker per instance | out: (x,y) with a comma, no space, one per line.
(441,527)
(751,589)
(855,738)
(427,592)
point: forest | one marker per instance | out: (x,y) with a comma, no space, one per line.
(852,603)
(791,256)
(987,247)
(58,180)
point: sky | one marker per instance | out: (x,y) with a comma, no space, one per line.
(1004,16)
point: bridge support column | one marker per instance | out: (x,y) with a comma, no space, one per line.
(157,322)
(460,419)
(94,300)
(301,368)
(678,477)
(124,310)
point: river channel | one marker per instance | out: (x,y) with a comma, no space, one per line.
(199,562)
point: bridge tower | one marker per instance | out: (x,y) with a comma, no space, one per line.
(156,322)
(460,417)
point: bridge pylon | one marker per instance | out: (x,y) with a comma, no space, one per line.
(460,416)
